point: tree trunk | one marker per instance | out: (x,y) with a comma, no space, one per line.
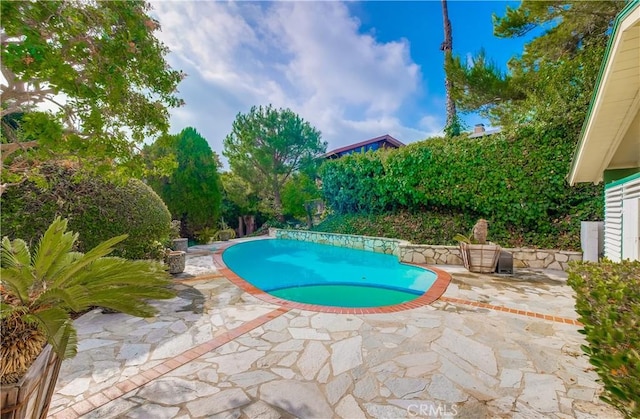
(308,207)
(452,127)
(250,223)
(240,227)
(277,203)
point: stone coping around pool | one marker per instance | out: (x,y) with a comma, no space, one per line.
(432,294)
(373,244)
(427,253)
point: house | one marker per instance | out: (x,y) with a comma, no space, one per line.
(480,131)
(384,141)
(609,147)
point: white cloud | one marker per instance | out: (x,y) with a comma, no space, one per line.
(334,63)
(432,125)
(307,56)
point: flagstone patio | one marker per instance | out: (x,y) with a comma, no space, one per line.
(492,346)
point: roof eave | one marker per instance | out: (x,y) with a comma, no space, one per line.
(576,173)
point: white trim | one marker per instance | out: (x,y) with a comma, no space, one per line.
(623,128)
(613,218)
(583,167)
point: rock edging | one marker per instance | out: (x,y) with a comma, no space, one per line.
(427,253)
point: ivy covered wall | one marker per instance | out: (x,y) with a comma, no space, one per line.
(516,181)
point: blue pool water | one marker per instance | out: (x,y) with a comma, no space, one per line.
(326,275)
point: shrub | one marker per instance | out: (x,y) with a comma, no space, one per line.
(439,226)
(607,296)
(96,209)
(514,180)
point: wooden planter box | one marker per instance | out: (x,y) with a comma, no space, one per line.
(481,258)
(30,397)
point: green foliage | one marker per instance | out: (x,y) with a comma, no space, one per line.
(206,235)
(567,27)
(354,183)
(267,146)
(551,82)
(607,296)
(476,87)
(104,58)
(240,198)
(193,191)
(224,232)
(45,286)
(518,183)
(296,194)
(435,227)
(96,208)
(174,232)
(439,226)
(455,128)
(462,238)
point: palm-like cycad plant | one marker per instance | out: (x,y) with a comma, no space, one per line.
(41,290)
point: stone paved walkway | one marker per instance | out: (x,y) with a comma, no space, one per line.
(491,347)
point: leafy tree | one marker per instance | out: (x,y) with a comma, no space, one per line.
(267,146)
(298,195)
(193,191)
(551,82)
(241,200)
(238,198)
(100,68)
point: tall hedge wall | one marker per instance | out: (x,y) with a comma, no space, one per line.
(96,209)
(517,182)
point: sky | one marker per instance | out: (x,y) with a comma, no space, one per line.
(353,70)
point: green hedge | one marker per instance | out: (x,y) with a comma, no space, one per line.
(517,182)
(439,227)
(608,302)
(95,208)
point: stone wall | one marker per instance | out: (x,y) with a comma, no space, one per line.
(429,254)
(372,244)
(543,258)
(522,258)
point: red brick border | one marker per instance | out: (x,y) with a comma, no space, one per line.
(432,294)
(435,292)
(511,310)
(121,388)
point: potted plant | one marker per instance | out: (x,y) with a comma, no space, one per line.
(225,233)
(478,255)
(178,243)
(41,290)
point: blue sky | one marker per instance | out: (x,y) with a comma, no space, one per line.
(354,70)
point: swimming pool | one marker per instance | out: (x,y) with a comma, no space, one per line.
(319,274)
